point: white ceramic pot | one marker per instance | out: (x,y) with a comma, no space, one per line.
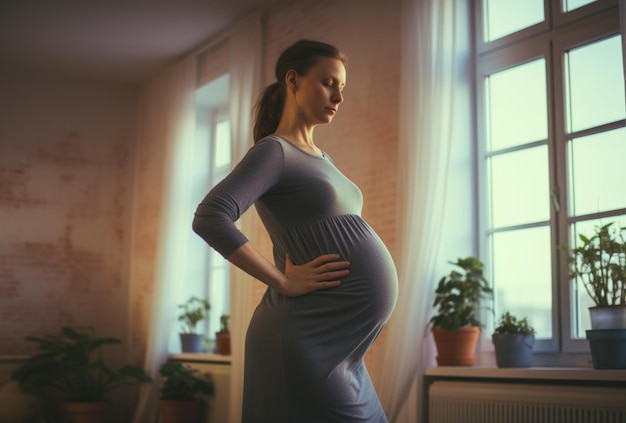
(611,317)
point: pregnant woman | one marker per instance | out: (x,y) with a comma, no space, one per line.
(333,284)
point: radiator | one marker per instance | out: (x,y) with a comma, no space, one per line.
(483,402)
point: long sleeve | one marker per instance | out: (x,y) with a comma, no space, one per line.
(216,215)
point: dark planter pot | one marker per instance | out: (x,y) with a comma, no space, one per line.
(86,412)
(191,342)
(180,411)
(608,348)
(513,349)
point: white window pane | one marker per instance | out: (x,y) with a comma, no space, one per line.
(517,105)
(595,84)
(522,276)
(597,172)
(222,143)
(581,301)
(569,5)
(520,187)
(504,17)
(219,289)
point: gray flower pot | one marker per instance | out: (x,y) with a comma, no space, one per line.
(513,349)
(191,342)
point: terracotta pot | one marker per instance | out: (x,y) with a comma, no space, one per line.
(456,348)
(86,412)
(180,411)
(222,343)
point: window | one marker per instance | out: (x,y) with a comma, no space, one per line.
(551,148)
(218,282)
(212,163)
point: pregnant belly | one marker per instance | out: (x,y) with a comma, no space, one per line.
(325,334)
(369,291)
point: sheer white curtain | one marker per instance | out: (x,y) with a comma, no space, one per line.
(433,34)
(245,63)
(167,120)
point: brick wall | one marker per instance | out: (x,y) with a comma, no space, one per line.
(66,171)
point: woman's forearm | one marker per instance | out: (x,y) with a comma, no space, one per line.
(253,263)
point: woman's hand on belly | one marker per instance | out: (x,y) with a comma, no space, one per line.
(322,272)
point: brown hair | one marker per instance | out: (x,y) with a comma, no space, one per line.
(301,57)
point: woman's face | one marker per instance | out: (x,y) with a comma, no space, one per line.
(319,92)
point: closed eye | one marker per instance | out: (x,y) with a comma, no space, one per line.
(334,84)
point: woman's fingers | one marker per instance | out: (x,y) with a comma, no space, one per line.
(324,259)
(327,263)
(322,272)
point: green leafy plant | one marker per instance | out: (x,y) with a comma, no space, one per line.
(224,323)
(458,295)
(599,262)
(72,364)
(511,324)
(182,383)
(193,311)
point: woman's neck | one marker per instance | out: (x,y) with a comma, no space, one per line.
(301,140)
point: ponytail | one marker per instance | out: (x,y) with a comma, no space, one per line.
(269,109)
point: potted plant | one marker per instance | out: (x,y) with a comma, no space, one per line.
(513,340)
(193,311)
(223,336)
(180,392)
(71,366)
(456,325)
(599,262)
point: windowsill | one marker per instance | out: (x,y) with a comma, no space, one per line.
(530,373)
(203,358)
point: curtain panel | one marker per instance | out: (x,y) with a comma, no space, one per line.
(245,70)
(168,122)
(434,94)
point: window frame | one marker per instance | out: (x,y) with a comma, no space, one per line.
(211,108)
(214,259)
(595,30)
(551,39)
(522,52)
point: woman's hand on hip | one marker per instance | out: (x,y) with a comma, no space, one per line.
(323,272)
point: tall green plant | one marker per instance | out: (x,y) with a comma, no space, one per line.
(72,364)
(599,262)
(458,295)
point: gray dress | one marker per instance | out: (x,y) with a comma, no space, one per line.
(304,355)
